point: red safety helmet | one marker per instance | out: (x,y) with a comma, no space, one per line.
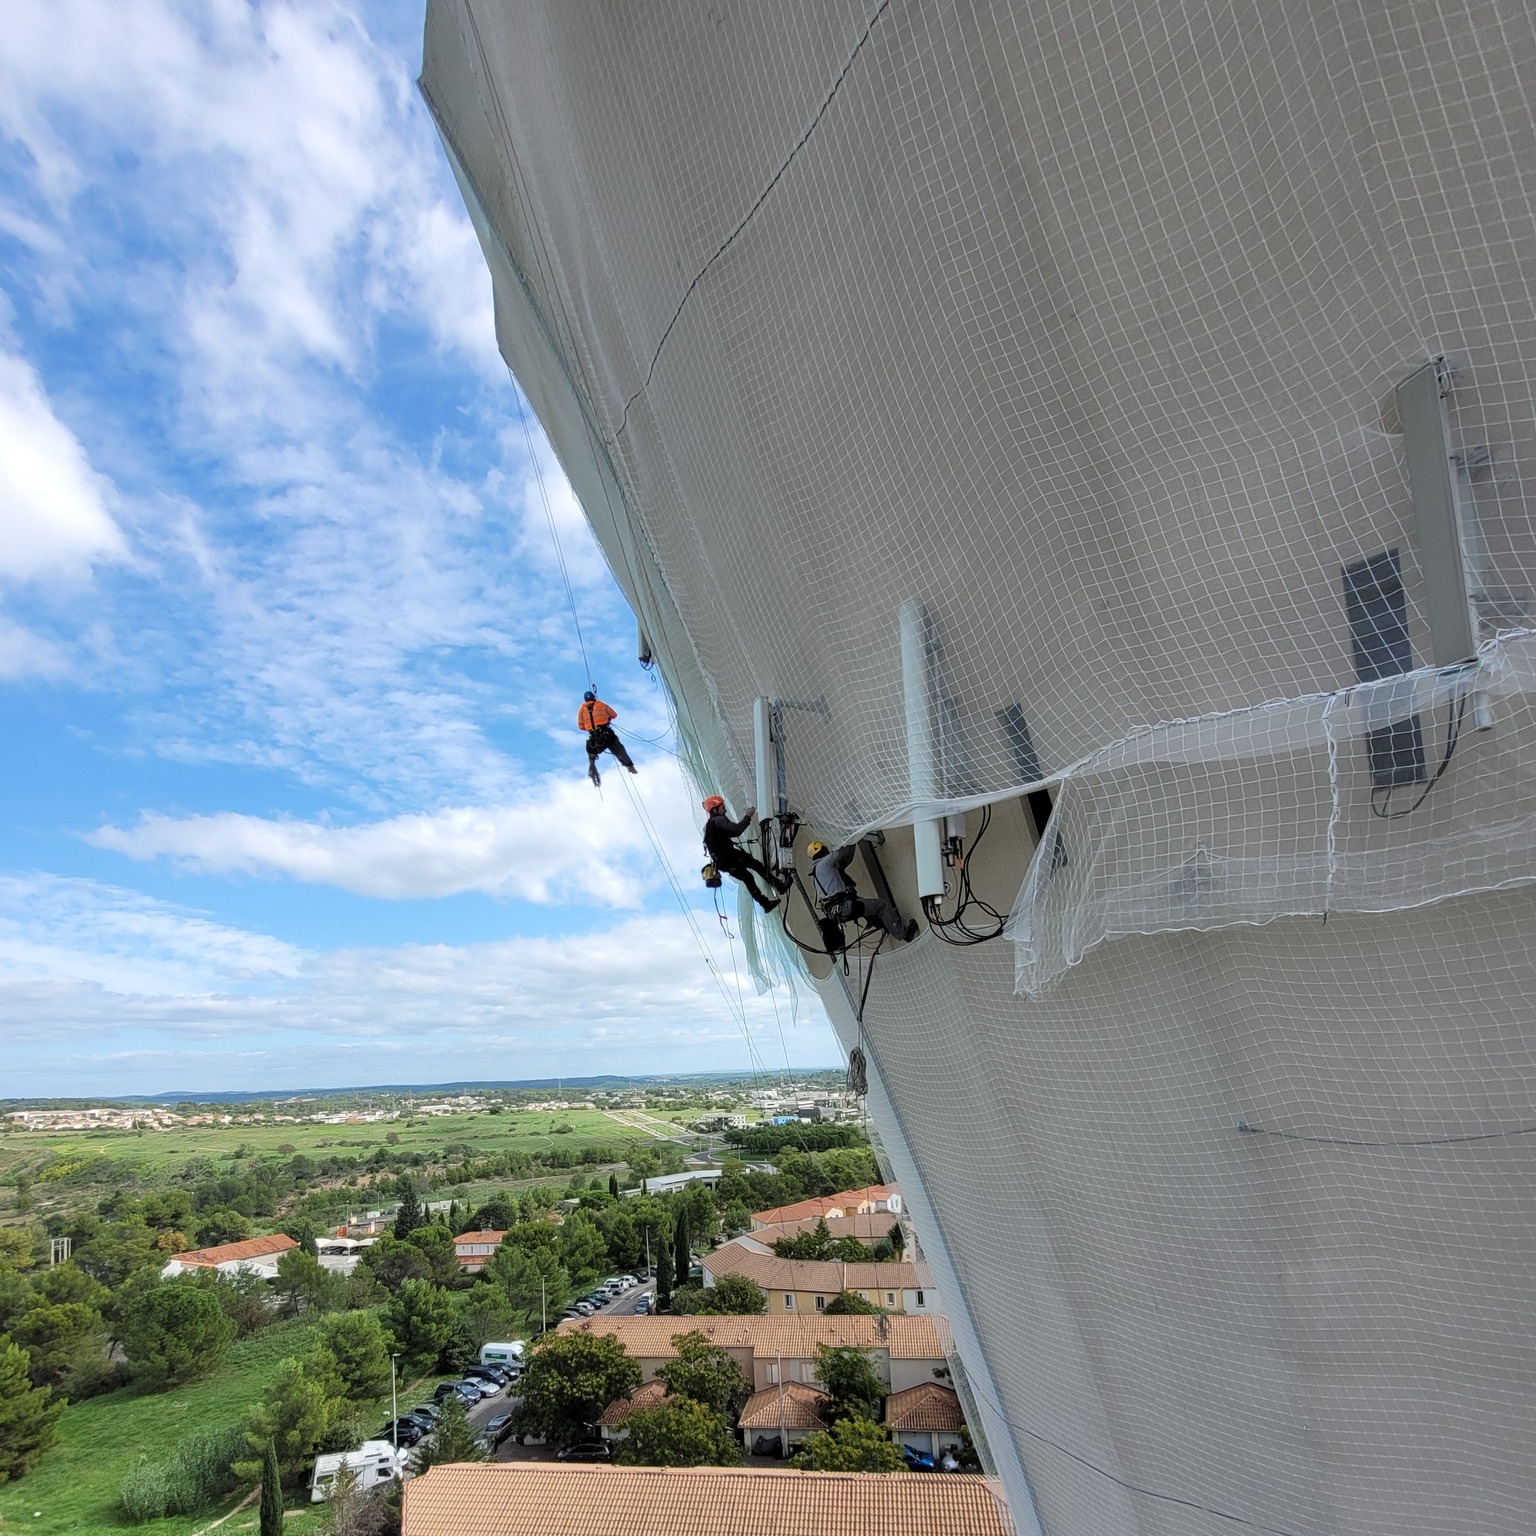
(714,803)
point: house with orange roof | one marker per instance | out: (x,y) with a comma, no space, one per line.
(808,1285)
(252,1256)
(474,1250)
(612,1423)
(785,1414)
(555,1499)
(927,1417)
(849,1202)
(905,1351)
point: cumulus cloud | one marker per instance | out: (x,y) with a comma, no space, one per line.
(120,993)
(560,842)
(53,505)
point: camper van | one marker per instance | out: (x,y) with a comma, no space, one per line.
(510,1355)
(374,1462)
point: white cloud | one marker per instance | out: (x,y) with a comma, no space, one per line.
(110,991)
(53,506)
(25,654)
(560,842)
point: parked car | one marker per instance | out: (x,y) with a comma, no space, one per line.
(468,1392)
(407,1431)
(585,1450)
(425,1414)
(918,1461)
(642,1306)
(585,1309)
(488,1385)
(497,1429)
(628,1281)
(373,1462)
(498,1373)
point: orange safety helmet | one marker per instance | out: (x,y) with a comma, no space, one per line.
(714,803)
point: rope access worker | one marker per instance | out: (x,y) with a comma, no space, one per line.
(596,719)
(720,834)
(840,898)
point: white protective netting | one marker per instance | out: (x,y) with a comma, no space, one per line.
(1078,323)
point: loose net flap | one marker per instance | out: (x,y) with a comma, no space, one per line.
(1276,812)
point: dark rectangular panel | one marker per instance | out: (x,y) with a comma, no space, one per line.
(1377,607)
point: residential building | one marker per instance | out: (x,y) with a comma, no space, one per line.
(473,1250)
(540,1499)
(253,1256)
(927,1417)
(808,1285)
(848,1202)
(613,1422)
(905,1351)
(788,1412)
(868,1227)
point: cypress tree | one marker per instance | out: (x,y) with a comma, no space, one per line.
(682,1248)
(613,1185)
(663,1277)
(271,1493)
(410,1215)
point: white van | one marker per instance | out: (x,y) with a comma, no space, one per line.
(503,1354)
(373,1461)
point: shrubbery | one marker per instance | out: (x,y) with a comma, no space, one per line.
(193,1478)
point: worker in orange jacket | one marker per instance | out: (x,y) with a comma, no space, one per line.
(596,719)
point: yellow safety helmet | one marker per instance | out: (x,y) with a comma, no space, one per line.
(815,849)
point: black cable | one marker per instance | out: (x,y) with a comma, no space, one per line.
(1456,709)
(956,930)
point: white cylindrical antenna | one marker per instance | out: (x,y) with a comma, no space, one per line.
(922,755)
(763,750)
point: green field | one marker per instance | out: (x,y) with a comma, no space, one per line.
(158,1153)
(74,1488)
(96,1162)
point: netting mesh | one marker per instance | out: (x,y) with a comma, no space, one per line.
(1078,324)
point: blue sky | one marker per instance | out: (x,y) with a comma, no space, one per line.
(292,790)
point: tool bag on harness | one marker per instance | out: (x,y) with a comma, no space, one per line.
(711,876)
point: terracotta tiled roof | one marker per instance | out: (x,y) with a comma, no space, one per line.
(823,1205)
(791,1404)
(542,1499)
(649,1394)
(226,1253)
(925,1406)
(478,1237)
(868,1228)
(650,1338)
(828,1276)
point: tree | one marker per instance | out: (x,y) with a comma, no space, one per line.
(613,1185)
(680,1433)
(57,1339)
(419,1320)
(65,1283)
(849,1374)
(435,1244)
(734,1295)
(410,1215)
(617,1224)
(851,1445)
(496,1215)
(357,1343)
(271,1492)
(570,1379)
(454,1439)
(304,1281)
(664,1269)
(293,1414)
(222,1226)
(28,1414)
(707,1374)
(851,1304)
(175,1332)
(520,1274)
(392,1261)
(583,1252)
(680,1247)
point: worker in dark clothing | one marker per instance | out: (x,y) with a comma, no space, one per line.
(840,899)
(596,719)
(720,834)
